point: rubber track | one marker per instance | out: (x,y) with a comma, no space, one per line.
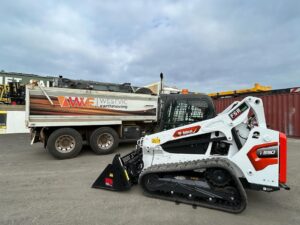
(195,165)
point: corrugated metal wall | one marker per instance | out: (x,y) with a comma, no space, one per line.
(282,111)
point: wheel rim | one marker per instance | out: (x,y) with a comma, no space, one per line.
(65,143)
(105,141)
(218,177)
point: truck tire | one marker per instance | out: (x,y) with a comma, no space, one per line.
(64,143)
(104,140)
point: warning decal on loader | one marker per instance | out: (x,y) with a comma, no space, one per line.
(108,182)
(238,111)
(155,140)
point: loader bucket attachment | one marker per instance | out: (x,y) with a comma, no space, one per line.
(114,177)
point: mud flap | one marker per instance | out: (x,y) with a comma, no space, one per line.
(114,177)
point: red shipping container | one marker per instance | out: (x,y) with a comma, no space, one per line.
(282,111)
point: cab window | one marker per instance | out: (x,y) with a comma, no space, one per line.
(185,111)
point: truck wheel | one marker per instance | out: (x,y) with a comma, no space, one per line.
(64,143)
(104,140)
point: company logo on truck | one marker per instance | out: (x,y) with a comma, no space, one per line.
(88,102)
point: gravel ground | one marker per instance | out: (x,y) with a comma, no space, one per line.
(38,189)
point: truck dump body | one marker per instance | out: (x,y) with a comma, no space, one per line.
(63,106)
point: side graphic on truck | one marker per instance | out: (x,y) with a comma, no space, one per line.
(75,105)
(89,102)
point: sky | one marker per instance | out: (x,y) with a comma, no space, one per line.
(204,46)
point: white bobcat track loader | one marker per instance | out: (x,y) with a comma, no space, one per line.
(208,163)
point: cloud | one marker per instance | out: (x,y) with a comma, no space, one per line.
(205,46)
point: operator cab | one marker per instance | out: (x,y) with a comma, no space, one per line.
(182,109)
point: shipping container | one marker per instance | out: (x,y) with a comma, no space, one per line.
(282,109)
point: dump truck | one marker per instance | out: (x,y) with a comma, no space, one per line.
(64,119)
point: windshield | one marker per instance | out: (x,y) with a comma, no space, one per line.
(185,111)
